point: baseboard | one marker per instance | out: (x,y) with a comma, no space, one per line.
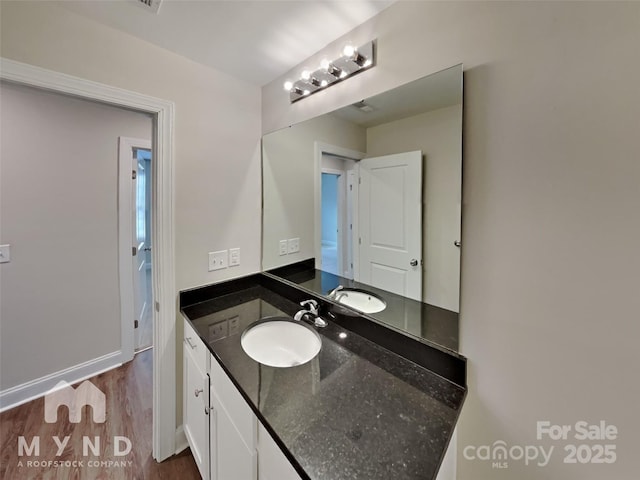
(181,440)
(14,396)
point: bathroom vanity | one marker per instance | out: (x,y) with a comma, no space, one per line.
(373,403)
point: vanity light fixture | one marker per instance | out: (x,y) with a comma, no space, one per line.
(353,60)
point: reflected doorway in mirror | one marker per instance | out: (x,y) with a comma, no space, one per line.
(336,214)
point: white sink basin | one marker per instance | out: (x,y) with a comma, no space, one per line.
(361,300)
(280,342)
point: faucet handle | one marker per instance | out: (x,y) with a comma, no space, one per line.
(310,305)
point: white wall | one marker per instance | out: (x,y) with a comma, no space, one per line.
(288,183)
(217,130)
(550,262)
(59,295)
(438,135)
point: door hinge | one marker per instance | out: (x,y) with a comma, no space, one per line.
(135,324)
(134,174)
(351,187)
(157,306)
(359,180)
(134,251)
(359,240)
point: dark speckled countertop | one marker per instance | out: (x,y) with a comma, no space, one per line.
(356,411)
(423,320)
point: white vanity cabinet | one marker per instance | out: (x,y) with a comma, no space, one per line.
(241,448)
(196,398)
(226,439)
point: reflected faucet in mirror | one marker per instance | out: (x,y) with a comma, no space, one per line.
(333,294)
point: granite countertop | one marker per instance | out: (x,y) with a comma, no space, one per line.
(423,320)
(356,411)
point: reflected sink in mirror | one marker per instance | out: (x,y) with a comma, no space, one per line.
(361,300)
(280,342)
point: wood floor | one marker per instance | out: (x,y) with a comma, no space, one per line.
(128,391)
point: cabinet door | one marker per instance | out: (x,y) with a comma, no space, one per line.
(272,464)
(231,457)
(195,418)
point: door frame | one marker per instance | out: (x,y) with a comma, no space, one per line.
(162,235)
(320,148)
(125,233)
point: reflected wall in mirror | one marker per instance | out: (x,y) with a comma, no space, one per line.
(372,191)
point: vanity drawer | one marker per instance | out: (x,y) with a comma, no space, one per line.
(195,346)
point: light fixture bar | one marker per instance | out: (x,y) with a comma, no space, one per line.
(352,61)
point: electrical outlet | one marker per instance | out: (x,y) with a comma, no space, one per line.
(294,245)
(283,247)
(218,331)
(234,257)
(218,260)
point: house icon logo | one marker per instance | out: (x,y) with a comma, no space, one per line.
(74,398)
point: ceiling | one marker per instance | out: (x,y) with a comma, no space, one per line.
(435,91)
(257,40)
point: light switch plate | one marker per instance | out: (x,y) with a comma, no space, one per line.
(234,257)
(294,245)
(218,260)
(283,247)
(5,253)
(234,325)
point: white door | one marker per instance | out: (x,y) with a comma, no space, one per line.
(390,217)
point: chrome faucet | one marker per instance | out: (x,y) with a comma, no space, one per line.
(333,293)
(310,312)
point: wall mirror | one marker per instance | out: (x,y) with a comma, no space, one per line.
(367,199)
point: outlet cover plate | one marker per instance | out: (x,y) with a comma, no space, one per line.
(294,245)
(218,331)
(218,260)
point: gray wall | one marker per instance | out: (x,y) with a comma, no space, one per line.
(550,262)
(288,183)
(59,295)
(217,131)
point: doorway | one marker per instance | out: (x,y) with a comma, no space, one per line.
(336,214)
(164,355)
(330,220)
(135,212)
(142,213)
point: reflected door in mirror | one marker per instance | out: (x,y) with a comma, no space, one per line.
(390,204)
